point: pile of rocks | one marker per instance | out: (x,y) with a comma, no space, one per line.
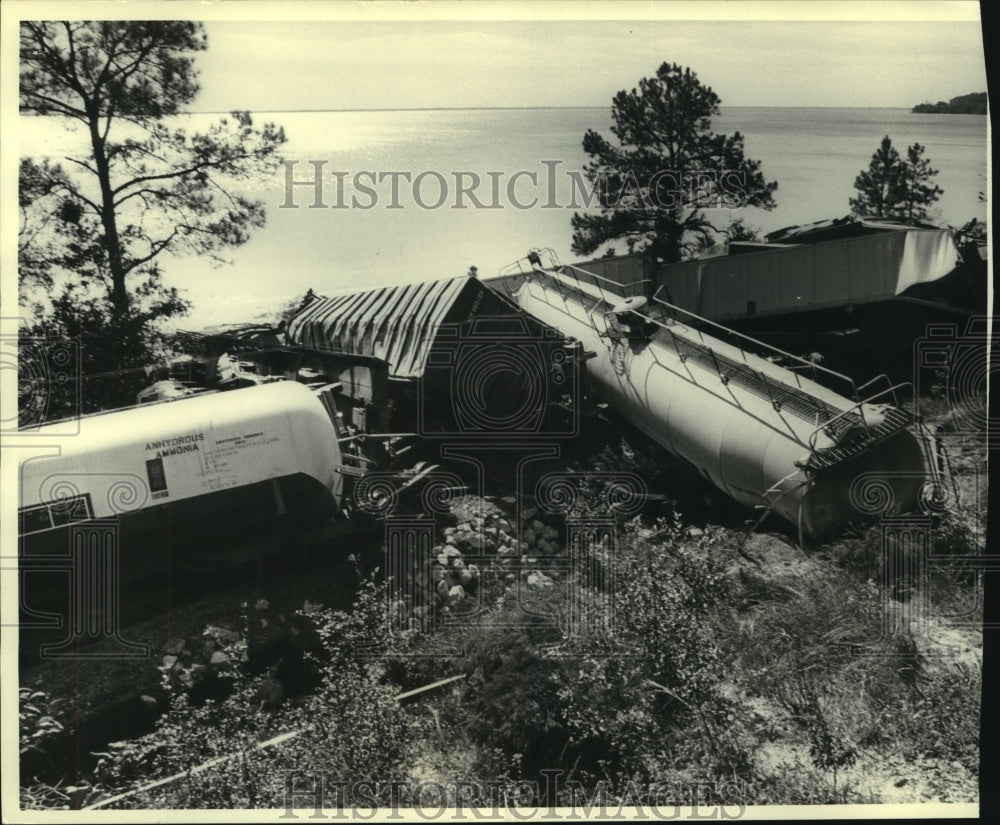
(480,538)
(196,665)
(539,536)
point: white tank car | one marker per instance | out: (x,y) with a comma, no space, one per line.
(191,466)
(761,433)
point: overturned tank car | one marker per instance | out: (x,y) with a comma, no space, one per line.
(761,431)
(180,471)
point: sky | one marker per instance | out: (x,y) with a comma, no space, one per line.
(272,56)
(417,64)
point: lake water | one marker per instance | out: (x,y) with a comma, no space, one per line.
(382,237)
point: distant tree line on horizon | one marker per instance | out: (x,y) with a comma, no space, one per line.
(971,104)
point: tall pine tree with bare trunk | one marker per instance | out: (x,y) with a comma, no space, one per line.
(95,223)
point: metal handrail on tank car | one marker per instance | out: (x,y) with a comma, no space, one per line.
(556,267)
(802,362)
(891,387)
(558,274)
(767,383)
(770,384)
(560,270)
(856,409)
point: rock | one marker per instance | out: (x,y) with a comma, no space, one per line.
(219,658)
(523,546)
(528,513)
(456,594)
(174,646)
(505,551)
(262,604)
(555,548)
(529,560)
(510,578)
(491,532)
(442,559)
(464,578)
(528,536)
(477,544)
(503,524)
(437,573)
(538,527)
(451,551)
(442,589)
(538,579)
(457,564)
(451,579)
(148,701)
(463,539)
(464,527)
(421,611)
(695,532)
(169,661)
(474,572)
(448,534)
(550,533)
(221,634)
(475,524)
(543,547)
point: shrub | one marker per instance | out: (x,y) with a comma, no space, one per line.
(350,728)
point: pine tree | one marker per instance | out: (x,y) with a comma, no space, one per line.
(877,187)
(653,189)
(895,187)
(917,191)
(144,186)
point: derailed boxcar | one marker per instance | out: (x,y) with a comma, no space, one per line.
(464,361)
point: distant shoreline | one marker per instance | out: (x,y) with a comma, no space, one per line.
(519,109)
(970,104)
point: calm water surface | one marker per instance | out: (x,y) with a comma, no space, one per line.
(814,154)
